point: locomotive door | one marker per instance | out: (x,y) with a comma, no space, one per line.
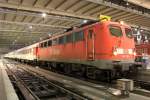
(90,44)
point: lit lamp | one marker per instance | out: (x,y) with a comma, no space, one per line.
(121,22)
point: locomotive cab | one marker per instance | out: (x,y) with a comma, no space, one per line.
(122,43)
(114,45)
(123,48)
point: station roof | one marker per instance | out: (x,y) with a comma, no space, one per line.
(23,22)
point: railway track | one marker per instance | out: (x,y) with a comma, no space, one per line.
(139,84)
(142,81)
(142,84)
(92,83)
(87,90)
(31,86)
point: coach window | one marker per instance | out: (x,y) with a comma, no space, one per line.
(41,45)
(49,42)
(79,36)
(69,38)
(115,31)
(45,44)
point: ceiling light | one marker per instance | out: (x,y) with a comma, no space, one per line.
(85,21)
(127,3)
(30,27)
(49,34)
(141,30)
(44,15)
(122,22)
(135,29)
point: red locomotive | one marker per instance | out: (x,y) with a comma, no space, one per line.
(100,50)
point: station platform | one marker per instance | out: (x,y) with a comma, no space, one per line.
(7,91)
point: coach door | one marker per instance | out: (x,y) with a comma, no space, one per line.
(90,44)
(37,52)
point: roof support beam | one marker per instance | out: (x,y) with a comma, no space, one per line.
(35,14)
(109,4)
(134,25)
(15,31)
(140,22)
(136,19)
(46,10)
(33,24)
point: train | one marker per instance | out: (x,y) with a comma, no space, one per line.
(102,50)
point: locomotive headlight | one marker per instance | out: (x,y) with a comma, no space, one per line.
(130,51)
(115,53)
(119,50)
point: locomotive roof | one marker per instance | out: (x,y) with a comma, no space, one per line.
(83,27)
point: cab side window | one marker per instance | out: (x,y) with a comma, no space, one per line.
(129,33)
(115,31)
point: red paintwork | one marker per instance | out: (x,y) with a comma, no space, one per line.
(143,49)
(104,43)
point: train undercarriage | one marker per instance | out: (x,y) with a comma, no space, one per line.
(81,70)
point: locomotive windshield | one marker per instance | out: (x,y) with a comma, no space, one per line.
(115,31)
(128,32)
